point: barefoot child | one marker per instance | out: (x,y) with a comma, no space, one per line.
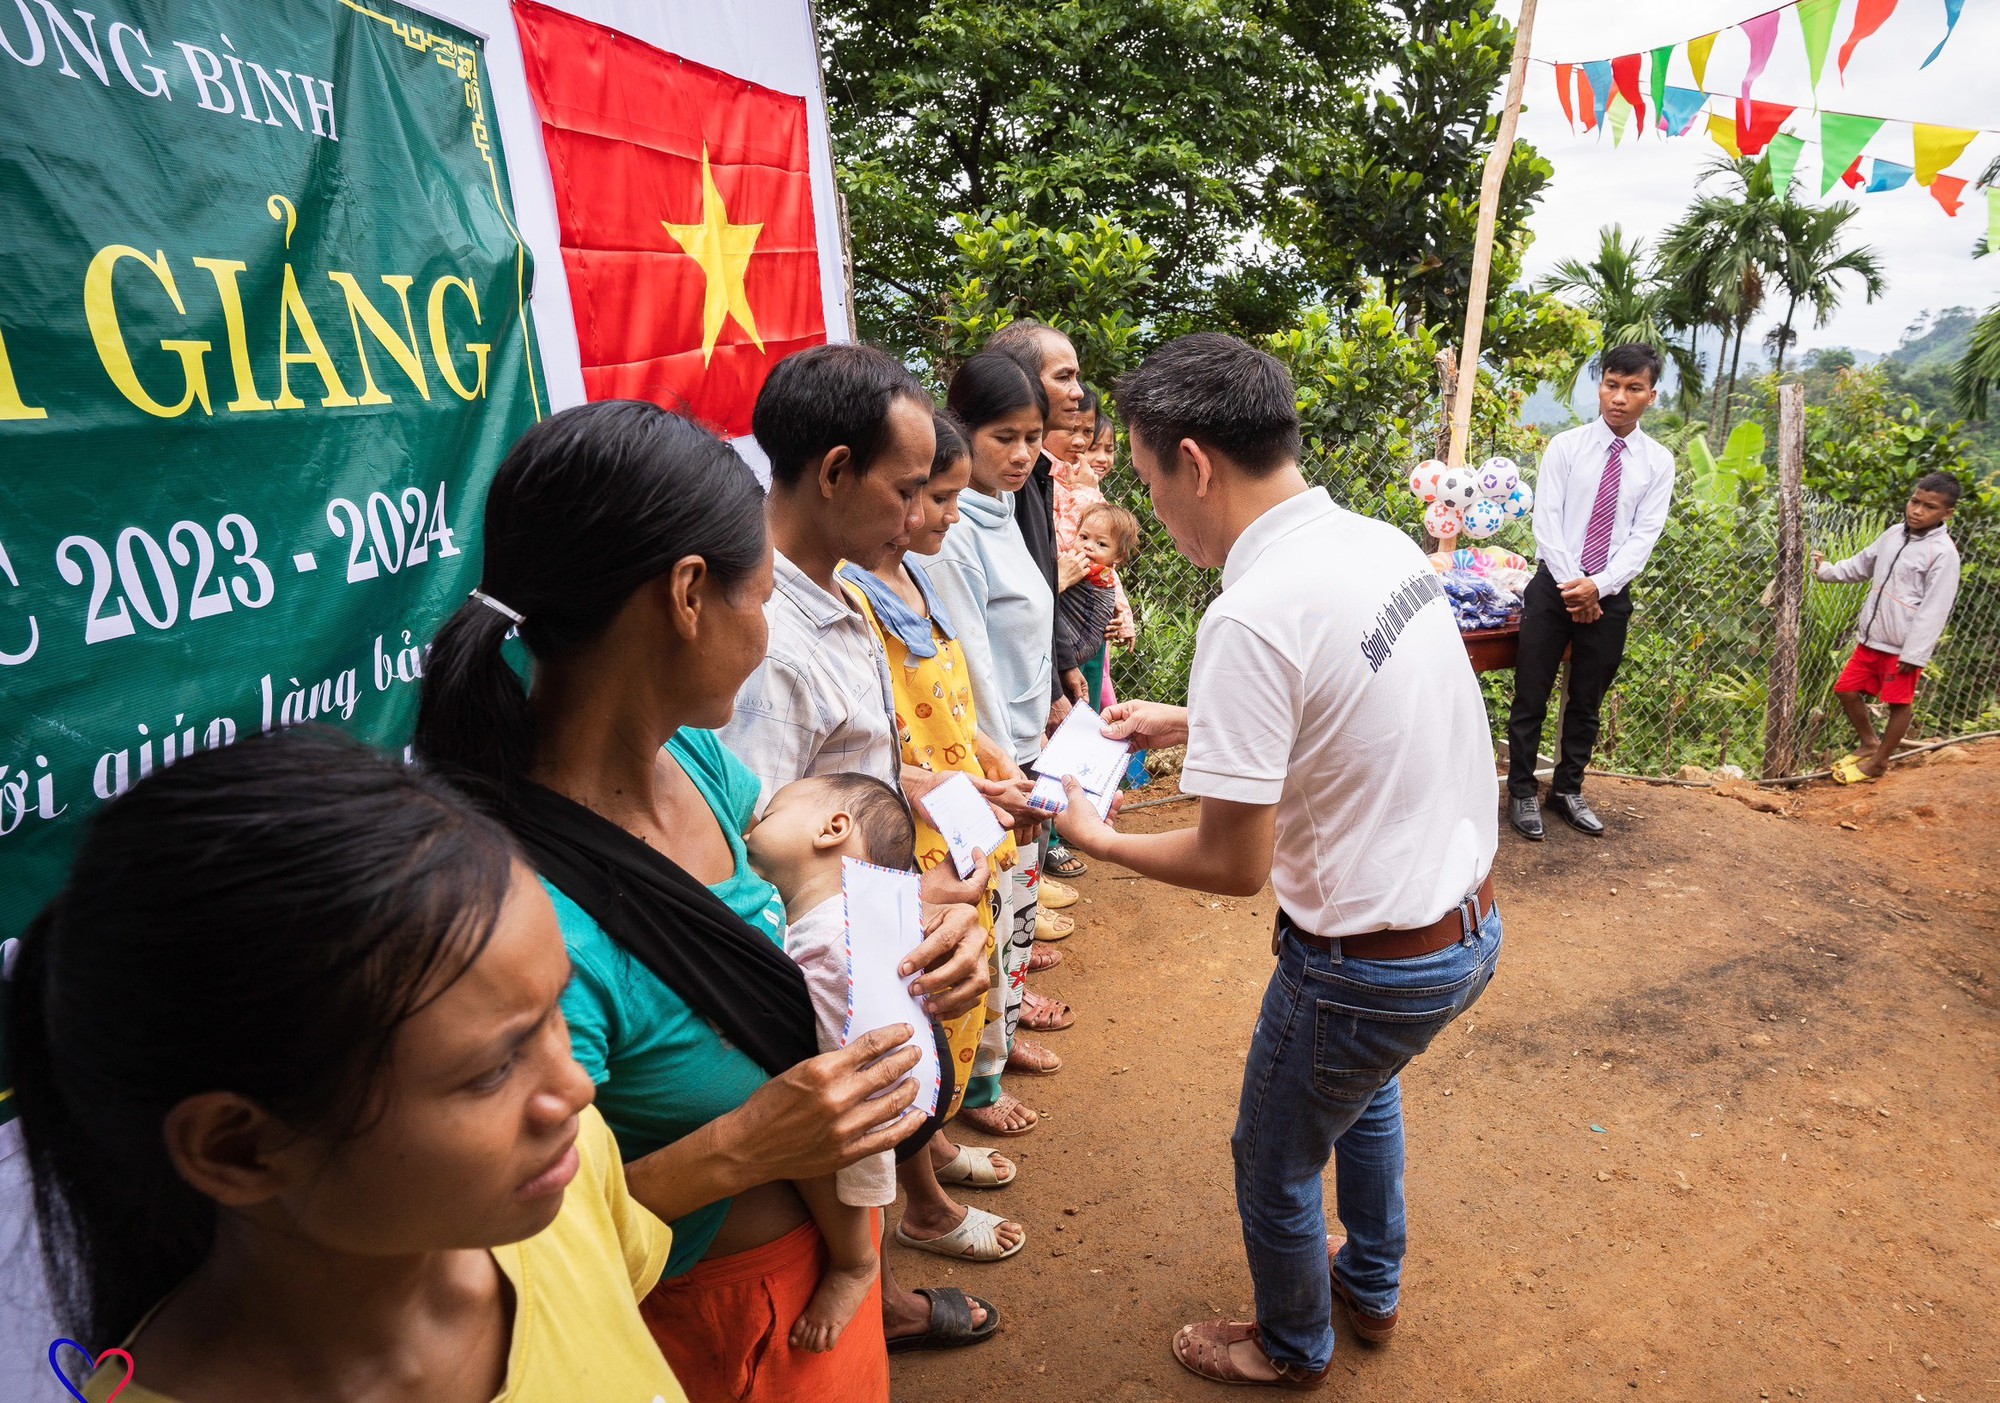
(1913,567)
(808,829)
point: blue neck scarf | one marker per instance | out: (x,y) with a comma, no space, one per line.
(899,618)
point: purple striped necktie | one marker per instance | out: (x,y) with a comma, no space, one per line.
(1604,512)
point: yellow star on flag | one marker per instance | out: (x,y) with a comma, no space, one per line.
(723,250)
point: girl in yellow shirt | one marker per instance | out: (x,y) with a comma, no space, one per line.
(300,1107)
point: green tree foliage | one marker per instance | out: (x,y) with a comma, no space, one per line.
(1622,289)
(1813,261)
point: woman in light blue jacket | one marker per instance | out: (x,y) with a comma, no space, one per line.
(992,588)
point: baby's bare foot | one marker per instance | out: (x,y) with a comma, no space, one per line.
(841,1292)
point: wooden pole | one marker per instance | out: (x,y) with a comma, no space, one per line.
(1482,244)
(1447,364)
(1781,705)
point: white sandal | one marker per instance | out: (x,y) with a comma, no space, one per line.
(977,1239)
(973,1167)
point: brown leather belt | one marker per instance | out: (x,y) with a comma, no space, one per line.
(1447,929)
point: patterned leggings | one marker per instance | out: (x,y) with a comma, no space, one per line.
(1014,941)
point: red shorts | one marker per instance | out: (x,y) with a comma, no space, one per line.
(1877,674)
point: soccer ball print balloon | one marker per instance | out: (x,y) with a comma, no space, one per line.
(1519,502)
(1498,477)
(1442,520)
(1483,518)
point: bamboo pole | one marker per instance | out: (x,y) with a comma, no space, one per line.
(1482,244)
(1781,736)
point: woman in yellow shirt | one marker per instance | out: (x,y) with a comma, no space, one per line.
(300,1107)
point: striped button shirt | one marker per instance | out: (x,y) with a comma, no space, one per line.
(820,703)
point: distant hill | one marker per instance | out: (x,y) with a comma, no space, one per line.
(1935,340)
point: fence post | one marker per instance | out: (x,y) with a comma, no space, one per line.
(1781,734)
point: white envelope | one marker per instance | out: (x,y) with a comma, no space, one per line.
(884,923)
(1080,748)
(961,814)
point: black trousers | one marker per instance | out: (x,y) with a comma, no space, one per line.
(1595,651)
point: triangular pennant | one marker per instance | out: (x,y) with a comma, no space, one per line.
(1784,159)
(1698,51)
(1937,147)
(1662,56)
(1887,175)
(1869,16)
(1843,138)
(1723,131)
(1618,117)
(1564,80)
(1951,9)
(1598,71)
(1625,73)
(1993,218)
(1816,23)
(1853,179)
(1757,123)
(1949,192)
(1586,100)
(1679,109)
(1762,33)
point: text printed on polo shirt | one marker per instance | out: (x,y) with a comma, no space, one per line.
(1409,597)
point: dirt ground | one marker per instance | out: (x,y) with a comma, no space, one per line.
(1723,1127)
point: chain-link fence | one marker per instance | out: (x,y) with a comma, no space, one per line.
(1695,685)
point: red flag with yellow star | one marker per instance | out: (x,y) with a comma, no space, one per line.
(685,200)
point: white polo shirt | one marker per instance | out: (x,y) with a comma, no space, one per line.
(1329,679)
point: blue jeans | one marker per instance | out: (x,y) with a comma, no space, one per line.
(1321,1083)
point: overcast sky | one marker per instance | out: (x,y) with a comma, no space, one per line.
(1645,183)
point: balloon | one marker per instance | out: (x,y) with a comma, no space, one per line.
(1424,478)
(1519,502)
(1459,487)
(1442,520)
(1483,518)
(1498,477)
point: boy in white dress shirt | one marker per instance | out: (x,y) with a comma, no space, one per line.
(1600,505)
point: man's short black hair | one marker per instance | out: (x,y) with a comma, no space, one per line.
(1944,484)
(1632,358)
(827,397)
(888,832)
(1227,396)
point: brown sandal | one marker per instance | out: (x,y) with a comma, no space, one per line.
(1041,1015)
(1203,1349)
(1043,957)
(986,1119)
(1032,1058)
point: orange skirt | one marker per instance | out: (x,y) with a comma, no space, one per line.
(726,1327)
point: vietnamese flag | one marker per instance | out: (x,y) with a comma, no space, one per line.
(685,201)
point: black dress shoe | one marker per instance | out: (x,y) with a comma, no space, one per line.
(1526,816)
(1576,813)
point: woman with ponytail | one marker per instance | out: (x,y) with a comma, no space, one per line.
(626,548)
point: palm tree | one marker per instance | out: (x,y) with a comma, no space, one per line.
(1621,289)
(1715,260)
(1978,370)
(1812,264)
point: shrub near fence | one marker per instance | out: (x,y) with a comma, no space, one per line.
(1695,683)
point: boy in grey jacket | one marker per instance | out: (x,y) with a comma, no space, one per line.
(1914,569)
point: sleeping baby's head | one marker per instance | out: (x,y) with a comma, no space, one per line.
(811,824)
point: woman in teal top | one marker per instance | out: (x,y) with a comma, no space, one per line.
(627,548)
(662,1070)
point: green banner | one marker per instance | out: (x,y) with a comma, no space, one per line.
(264,339)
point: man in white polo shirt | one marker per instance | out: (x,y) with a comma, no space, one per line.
(1339,745)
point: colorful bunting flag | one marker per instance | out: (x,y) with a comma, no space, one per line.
(1762,32)
(1784,160)
(1949,192)
(1937,147)
(1619,117)
(1843,139)
(1563,82)
(1951,9)
(1625,73)
(1887,175)
(1662,57)
(1586,99)
(1869,16)
(1679,109)
(1757,123)
(1816,23)
(1853,178)
(1723,131)
(1598,71)
(1698,51)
